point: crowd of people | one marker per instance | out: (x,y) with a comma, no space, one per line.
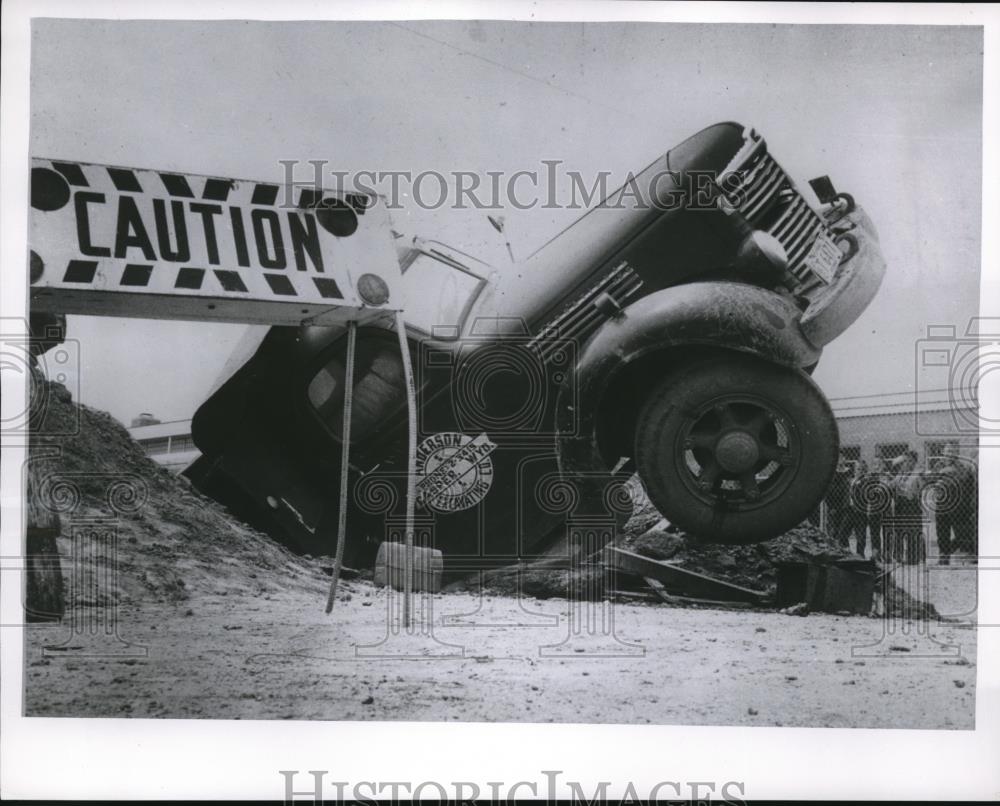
(888,509)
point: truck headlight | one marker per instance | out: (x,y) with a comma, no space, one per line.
(761,252)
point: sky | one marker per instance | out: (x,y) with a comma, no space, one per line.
(891,114)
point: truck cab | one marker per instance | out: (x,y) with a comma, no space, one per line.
(667,335)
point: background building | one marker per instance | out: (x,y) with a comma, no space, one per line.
(168,443)
(884,426)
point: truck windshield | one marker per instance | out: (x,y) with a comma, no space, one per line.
(438,293)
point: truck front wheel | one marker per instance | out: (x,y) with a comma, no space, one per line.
(735,449)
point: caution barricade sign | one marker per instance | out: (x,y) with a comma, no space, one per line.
(114,241)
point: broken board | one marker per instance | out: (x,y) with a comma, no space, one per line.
(661,592)
(679,580)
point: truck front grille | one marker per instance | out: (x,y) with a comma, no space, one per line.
(581,317)
(760,190)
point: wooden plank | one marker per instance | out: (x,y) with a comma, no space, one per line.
(632,596)
(677,579)
(657,587)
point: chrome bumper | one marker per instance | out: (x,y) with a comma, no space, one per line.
(857,281)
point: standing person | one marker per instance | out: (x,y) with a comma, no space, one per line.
(838,505)
(890,534)
(967,526)
(864,499)
(878,507)
(857,515)
(957,506)
(908,518)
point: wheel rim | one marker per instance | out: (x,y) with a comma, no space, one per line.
(737,452)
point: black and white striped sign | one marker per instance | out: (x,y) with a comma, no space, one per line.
(128,242)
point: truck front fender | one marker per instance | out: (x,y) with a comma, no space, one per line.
(668,324)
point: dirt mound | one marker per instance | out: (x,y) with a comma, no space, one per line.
(171,541)
(893,600)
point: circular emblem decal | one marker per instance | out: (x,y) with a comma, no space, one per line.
(454,471)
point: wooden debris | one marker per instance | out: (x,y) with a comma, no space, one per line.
(680,581)
(661,592)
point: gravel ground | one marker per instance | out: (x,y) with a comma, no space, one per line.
(280,657)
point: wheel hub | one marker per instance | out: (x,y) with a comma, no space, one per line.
(737,451)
